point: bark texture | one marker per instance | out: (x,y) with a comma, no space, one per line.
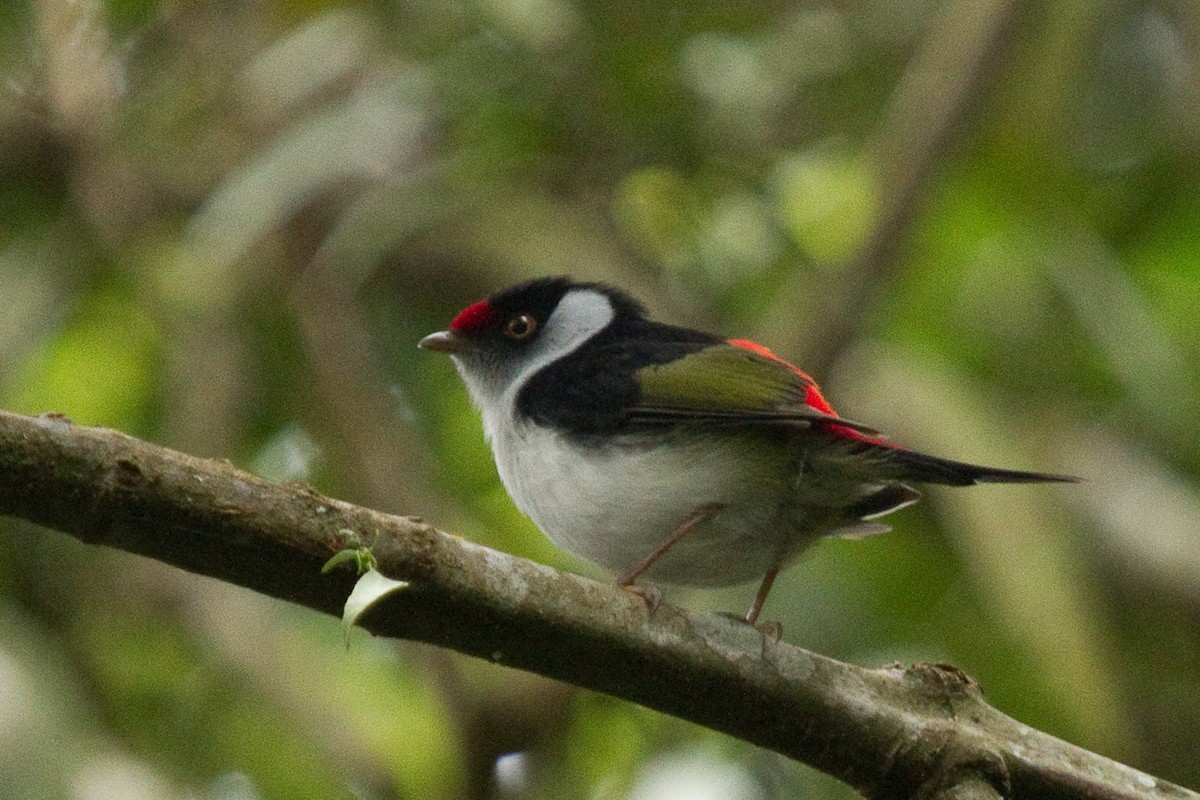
(919,732)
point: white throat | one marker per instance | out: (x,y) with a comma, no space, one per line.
(580,315)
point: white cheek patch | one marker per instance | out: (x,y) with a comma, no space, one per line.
(580,315)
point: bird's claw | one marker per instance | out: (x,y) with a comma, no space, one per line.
(649,593)
(770,629)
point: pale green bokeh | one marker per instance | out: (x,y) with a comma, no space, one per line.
(225,230)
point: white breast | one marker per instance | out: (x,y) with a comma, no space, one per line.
(615,505)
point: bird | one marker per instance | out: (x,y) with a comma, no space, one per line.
(671,454)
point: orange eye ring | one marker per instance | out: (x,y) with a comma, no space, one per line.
(520,327)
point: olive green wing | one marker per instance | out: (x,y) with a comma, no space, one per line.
(728,383)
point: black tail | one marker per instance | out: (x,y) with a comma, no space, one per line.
(921,468)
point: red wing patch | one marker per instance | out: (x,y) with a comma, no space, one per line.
(473,317)
(812,393)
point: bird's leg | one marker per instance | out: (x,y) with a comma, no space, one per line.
(705,512)
(649,593)
(751,618)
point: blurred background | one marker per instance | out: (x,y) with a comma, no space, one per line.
(224,227)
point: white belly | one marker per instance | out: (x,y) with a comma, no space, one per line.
(615,505)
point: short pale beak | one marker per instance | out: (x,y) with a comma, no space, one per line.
(446,342)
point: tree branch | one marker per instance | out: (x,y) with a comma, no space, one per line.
(919,732)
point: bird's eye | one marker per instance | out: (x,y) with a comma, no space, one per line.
(520,327)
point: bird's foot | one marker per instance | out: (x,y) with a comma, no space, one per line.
(649,593)
(770,629)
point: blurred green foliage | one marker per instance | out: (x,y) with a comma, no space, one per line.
(223,227)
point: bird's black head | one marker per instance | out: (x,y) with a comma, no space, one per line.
(515,317)
(501,343)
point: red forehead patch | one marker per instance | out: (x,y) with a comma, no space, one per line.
(473,317)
